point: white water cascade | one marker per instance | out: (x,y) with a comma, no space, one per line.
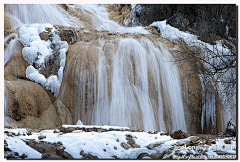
(126,81)
(134,84)
(40,13)
(13,46)
(97,17)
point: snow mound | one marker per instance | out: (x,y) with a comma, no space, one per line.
(38,51)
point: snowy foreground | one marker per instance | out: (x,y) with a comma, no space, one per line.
(107,142)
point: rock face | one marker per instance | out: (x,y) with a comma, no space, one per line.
(30,105)
(119,12)
(25,95)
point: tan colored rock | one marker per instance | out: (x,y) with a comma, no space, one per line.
(29,104)
(7,24)
(118,12)
(68,36)
(44,36)
(26,98)
(63,112)
(49,119)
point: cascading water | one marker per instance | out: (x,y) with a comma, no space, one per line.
(126,81)
(41,13)
(96,16)
(128,85)
(13,46)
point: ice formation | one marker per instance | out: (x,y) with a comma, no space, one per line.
(79,122)
(29,54)
(37,51)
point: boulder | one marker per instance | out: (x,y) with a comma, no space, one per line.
(26,98)
(179,134)
(31,105)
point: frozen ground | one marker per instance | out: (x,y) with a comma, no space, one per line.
(106,142)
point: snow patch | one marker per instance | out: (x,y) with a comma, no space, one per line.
(17,145)
(172,33)
(106,127)
(106,145)
(21,131)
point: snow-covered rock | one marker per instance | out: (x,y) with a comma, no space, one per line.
(38,51)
